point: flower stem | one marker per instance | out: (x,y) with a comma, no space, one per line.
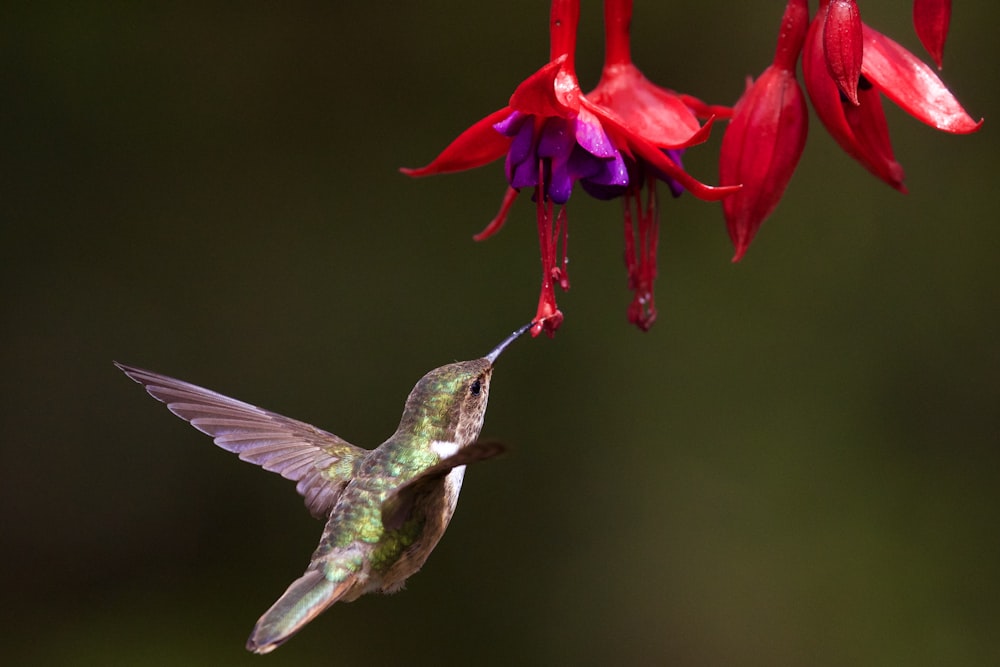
(563,20)
(617,22)
(794,25)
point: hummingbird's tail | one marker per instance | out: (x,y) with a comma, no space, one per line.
(305,599)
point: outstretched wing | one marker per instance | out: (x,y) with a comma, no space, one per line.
(320,462)
(398,507)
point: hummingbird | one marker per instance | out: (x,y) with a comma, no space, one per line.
(385,508)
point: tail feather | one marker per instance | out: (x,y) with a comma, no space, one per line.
(305,599)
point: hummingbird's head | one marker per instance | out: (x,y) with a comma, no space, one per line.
(449,403)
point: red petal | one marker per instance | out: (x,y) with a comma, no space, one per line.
(478,145)
(660,116)
(867,122)
(551,91)
(866,136)
(914,86)
(637,147)
(842,45)
(655,157)
(931,19)
(761,149)
(496,223)
(548,318)
(705,110)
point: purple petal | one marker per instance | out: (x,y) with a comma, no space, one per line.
(582,164)
(611,172)
(602,192)
(676,189)
(574,149)
(566,170)
(561,181)
(523,175)
(556,139)
(520,148)
(520,152)
(579,165)
(610,180)
(510,125)
(591,137)
(617,185)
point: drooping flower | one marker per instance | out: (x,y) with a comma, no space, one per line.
(656,126)
(931,19)
(766,136)
(550,142)
(886,69)
(553,137)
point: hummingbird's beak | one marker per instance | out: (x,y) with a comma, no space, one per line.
(495,352)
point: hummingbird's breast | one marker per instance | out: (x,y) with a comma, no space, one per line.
(434,515)
(356,543)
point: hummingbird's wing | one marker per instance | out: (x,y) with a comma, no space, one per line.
(320,462)
(396,509)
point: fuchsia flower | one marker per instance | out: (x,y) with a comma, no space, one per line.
(847,68)
(765,138)
(665,124)
(627,133)
(886,69)
(554,136)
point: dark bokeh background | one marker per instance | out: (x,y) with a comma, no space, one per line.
(798,465)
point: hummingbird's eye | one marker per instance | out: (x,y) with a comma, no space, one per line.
(476,387)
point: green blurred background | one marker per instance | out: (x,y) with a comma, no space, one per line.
(797,466)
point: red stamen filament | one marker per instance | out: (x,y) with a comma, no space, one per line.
(550,228)
(641,265)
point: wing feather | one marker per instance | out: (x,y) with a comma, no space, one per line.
(320,462)
(399,505)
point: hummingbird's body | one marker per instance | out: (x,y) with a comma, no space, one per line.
(385,509)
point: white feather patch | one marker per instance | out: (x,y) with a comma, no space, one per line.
(452,487)
(444,448)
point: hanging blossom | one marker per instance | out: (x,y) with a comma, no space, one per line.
(847,68)
(656,116)
(886,69)
(765,138)
(553,136)
(627,134)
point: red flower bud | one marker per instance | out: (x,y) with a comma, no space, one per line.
(766,135)
(886,69)
(842,46)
